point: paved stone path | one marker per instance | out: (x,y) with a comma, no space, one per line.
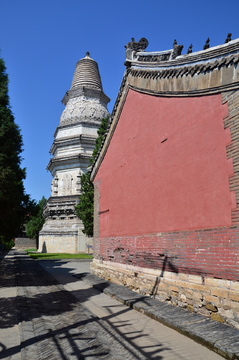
(221,338)
(151,338)
(9,330)
(52,323)
(41,318)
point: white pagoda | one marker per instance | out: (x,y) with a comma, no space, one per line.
(74,141)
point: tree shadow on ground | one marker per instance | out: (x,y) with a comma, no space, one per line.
(49,316)
(41,298)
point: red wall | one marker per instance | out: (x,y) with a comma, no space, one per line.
(149,185)
(212,253)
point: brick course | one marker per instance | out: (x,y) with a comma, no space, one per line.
(211,253)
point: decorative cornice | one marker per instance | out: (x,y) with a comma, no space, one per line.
(66,158)
(87,92)
(164,58)
(61,206)
(71,124)
(72,140)
(179,71)
(187,93)
(63,199)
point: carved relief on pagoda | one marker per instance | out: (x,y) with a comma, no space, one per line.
(78,182)
(67,181)
(65,184)
(83,108)
(54,186)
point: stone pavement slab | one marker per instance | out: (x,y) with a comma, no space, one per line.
(218,337)
(153,339)
(52,324)
(42,318)
(9,330)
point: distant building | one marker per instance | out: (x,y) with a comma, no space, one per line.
(167,180)
(85,106)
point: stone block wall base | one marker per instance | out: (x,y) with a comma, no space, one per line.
(85,243)
(25,243)
(217,299)
(75,243)
(58,243)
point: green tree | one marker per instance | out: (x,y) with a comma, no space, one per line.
(36,220)
(85,208)
(14,202)
(101,133)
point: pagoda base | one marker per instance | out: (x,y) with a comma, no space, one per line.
(62,231)
(58,243)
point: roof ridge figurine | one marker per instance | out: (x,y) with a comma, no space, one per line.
(137,46)
(206,46)
(229,38)
(190,49)
(177,49)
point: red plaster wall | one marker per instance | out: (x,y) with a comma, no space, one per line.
(149,185)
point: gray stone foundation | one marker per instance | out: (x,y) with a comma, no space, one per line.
(217,299)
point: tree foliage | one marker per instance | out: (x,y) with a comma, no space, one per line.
(101,132)
(14,202)
(85,209)
(36,220)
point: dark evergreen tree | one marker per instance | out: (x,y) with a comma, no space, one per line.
(85,209)
(36,220)
(14,202)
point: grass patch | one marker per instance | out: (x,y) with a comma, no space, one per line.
(30,250)
(52,256)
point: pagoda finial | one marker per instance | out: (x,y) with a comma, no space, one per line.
(86,74)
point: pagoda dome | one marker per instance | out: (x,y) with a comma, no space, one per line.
(86,74)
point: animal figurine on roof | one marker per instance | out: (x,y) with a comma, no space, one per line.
(137,46)
(229,38)
(177,49)
(190,49)
(206,46)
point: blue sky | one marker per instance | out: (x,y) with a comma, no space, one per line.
(41,41)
